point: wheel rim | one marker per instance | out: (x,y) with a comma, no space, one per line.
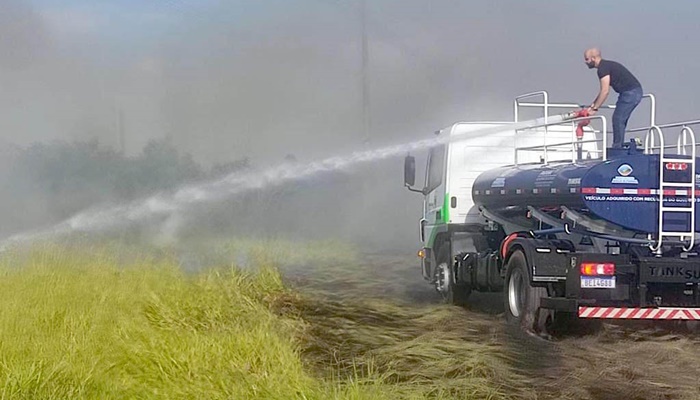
(515,293)
(443,278)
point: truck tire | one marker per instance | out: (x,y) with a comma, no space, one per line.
(451,292)
(522,300)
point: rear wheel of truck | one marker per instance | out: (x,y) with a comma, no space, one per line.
(522,300)
(445,282)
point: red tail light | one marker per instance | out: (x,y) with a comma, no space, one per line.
(589,269)
(673,166)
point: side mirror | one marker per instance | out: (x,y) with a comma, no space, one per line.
(409,171)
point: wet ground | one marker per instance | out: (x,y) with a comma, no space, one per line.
(379,305)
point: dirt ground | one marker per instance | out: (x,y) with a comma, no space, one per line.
(381,306)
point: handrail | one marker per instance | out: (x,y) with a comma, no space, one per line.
(685,133)
(682,141)
(671,125)
(564,105)
(652,101)
(573,142)
(649,139)
(560,144)
(650,148)
(545,99)
(546,105)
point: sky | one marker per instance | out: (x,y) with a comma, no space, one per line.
(264,78)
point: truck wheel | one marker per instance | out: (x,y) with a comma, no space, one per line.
(522,300)
(451,292)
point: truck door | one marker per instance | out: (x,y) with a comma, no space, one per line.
(434,218)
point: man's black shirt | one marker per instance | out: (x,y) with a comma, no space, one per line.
(621,79)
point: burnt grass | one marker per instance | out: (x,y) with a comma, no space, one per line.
(375,317)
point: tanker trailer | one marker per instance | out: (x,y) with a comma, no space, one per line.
(565,227)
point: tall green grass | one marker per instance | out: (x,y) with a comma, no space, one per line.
(87,323)
(79,325)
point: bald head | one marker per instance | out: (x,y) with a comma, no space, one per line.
(592,57)
(592,52)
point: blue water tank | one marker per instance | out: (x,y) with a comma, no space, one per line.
(624,191)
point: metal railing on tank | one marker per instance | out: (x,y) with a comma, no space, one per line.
(572,146)
(547,106)
(681,144)
(575,144)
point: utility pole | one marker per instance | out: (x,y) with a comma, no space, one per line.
(364,201)
(366,126)
(121,131)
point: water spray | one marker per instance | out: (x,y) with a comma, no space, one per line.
(105,218)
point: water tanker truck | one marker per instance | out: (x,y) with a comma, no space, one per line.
(567,228)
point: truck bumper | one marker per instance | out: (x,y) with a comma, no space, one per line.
(621,313)
(657,313)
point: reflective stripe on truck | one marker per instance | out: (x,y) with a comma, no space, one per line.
(639,313)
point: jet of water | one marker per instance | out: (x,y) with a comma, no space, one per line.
(102,219)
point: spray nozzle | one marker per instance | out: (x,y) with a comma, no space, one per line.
(582,113)
(576,114)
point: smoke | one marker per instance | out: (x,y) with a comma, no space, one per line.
(229,80)
(172,206)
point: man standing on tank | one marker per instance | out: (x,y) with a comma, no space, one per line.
(629,91)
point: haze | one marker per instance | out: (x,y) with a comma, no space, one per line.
(265,79)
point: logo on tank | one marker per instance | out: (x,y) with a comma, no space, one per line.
(498,182)
(625,171)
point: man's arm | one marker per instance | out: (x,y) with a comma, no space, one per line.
(602,94)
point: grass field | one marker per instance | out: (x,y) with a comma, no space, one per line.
(89,322)
(276,319)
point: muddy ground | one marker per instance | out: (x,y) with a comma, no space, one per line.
(377,310)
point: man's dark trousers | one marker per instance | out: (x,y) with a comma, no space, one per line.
(626,103)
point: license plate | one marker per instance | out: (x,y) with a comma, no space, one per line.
(604,282)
